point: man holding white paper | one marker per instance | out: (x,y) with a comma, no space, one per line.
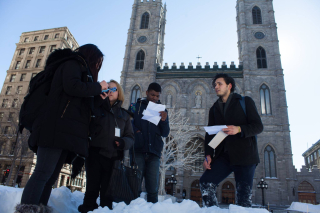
(235,149)
(150,124)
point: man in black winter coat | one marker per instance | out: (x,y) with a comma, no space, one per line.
(238,152)
(148,141)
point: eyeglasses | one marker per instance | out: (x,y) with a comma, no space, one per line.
(113,89)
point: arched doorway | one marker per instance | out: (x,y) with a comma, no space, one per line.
(306,193)
(195,192)
(228,193)
(168,187)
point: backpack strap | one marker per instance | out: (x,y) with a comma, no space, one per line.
(243,105)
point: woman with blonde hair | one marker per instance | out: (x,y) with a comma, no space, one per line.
(111,133)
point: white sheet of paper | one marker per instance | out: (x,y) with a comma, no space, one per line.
(211,130)
(156,107)
(217,139)
(151,113)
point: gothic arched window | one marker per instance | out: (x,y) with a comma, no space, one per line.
(256,15)
(135,94)
(261,58)
(270,162)
(145,21)
(265,100)
(140,60)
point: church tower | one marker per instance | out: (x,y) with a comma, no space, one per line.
(258,47)
(144,48)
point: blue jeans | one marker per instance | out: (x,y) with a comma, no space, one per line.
(45,174)
(220,169)
(149,165)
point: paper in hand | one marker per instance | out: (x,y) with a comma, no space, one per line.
(211,130)
(220,136)
(151,113)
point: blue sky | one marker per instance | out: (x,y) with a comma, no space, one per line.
(203,27)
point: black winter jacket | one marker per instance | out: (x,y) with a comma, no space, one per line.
(149,139)
(102,129)
(242,147)
(64,121)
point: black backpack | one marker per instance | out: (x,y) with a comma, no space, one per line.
(40,85)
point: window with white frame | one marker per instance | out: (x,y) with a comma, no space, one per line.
(8,91)
(17,65)
(13,78)
(19,89)
(31,51)
(28,64)
(21,52)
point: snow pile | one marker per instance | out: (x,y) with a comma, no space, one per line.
(62,201)
(304,207)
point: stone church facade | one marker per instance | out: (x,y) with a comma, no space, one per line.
(189,89)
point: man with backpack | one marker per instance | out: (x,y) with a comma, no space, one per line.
(238,152)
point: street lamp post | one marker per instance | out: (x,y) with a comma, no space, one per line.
(173,181)
(262,185)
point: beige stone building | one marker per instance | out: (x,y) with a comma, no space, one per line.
(29,58)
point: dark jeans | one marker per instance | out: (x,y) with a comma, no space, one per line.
(98,171)
(149,165)
(221,168)
(45,174)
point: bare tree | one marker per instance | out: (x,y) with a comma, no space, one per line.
(180,149)
(18,142)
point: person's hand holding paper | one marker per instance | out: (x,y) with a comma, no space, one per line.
(153,112)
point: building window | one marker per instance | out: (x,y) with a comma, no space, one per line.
(315,155)
(7,130)
(145,21)
(31,51)
(36,38)
(26,39)
(22,51)
(15,103)
(265,100)
(135,94)
(42,48)
(5,103)
(140,60)
(28,64)
(46,37)
(319,152)
(57,35)
(13,146)
(311,156)
(23,77)
(53,47)
(33,74)
(19,90)
(11,116)
(309,160)
(270,162)
(261,58)
(8,91)
(18,65)
(13,78)
(1,116)
(256,15)
(38,63)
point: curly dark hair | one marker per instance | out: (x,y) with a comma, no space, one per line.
(228,79)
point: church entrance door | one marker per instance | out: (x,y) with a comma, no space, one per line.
(228,193)
(306,193)
(195,192)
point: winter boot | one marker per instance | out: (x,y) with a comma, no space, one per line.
(244,194)
(32,208)
(83,208)
(209,197)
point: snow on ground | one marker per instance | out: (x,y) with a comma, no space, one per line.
(63,201)
(304,207)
